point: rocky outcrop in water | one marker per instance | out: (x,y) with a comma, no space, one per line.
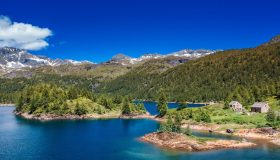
(182,142)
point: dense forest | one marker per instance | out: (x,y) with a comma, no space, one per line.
(52,99)
(11,88)
(247,75)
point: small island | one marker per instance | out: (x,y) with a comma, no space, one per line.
(182,142)
(172,136)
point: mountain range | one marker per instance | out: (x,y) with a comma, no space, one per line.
(251,72)
(192,75)
(182,54)
(13,59)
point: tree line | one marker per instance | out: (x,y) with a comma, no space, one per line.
(51,99)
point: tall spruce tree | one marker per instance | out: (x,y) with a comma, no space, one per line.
(126,107)
(162,105)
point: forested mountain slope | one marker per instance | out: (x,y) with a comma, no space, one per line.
(246,75)
(254,72)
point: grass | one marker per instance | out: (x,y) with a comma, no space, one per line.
(200,139)
(226,117)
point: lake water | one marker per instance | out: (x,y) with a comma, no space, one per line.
(152,109)
(99,139)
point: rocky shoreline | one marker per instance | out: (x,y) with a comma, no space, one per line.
(176,141)
(114,115)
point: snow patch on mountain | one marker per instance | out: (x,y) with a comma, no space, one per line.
(184,54)
(13,59)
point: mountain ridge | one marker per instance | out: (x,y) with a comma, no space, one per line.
(250,72)
(247,71)
(14,59)
(184,54)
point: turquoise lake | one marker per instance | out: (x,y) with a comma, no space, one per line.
(101,139)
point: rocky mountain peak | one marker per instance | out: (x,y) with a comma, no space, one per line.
(13,58)
(275,39)
(120,56)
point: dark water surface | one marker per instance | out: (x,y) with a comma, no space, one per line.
(152,109)
(99,139)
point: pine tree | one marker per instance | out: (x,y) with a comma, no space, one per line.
(117,99)
(80,110)
(106,102)
(126,109)
(177,123)
(168,126)
(20,103)
(271,116)
(162,105)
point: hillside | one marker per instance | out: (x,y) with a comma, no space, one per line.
(213,77)
(246,75)
(86,75)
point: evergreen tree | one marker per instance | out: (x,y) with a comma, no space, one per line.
(20,103)
(126,109)
(271,116)
(80,110)
(140,108)
(177,123)
(72,93)
(167,126)
(162,105)
(106,102)
(117,99)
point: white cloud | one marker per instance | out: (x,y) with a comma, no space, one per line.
(22,35)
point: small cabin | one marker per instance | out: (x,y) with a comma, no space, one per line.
(236,106)
(260,107)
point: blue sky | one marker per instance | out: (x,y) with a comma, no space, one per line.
(96,30)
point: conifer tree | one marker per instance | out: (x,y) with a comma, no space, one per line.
(271,116)
(126,109)
(162,105)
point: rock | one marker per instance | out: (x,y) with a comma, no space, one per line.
(268,130)
(230,130)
